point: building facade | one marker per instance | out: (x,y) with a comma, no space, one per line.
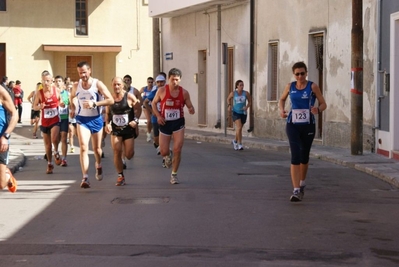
(55,35)
(264,39)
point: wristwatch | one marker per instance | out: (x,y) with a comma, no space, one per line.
(94,105)
(7,136)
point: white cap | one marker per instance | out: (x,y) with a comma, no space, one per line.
(159,78)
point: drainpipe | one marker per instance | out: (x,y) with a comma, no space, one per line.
(377,124)
(156,47)
(252,62)
(219,68)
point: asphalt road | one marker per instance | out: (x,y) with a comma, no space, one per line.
(231,209)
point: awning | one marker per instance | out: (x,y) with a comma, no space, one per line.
(83,48)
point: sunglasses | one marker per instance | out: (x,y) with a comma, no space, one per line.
(300,73)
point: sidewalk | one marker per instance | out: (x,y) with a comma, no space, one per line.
(370,163)
(376,165)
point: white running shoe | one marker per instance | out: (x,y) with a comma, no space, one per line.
(99,173)
(235,144)
(168,160)
(149,138)
(173,179)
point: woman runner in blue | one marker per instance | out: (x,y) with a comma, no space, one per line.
(300,125)
(241,102)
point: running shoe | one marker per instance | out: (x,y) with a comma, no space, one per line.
(12,182)
(120,181)
(302,191)
(64,163)
(240,147)
(99,173)
(57,158)
(149,137)
(158,151)
(72,149)
(235,145)
(102,155)
(173,179)
(163,163)
(45,157)
(124,165)
(85,183)
(34,136)
(296,197)
(168,161)
(50,168)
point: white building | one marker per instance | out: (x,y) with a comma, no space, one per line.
(265,38)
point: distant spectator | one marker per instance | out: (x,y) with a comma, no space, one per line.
(18,98)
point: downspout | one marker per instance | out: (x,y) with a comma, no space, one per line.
(252,62)
(156,46)
(219,68)
(377,125)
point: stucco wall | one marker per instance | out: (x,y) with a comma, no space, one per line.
(27,25)
(188,34)
(291,23)
(292,32)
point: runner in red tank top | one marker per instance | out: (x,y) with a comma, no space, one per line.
(47,101)
(171,122)
(172,108)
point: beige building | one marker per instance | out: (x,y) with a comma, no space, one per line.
(114,36)
(264,39)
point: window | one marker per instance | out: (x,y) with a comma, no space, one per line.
(272,74)
(3,5)
(81,17)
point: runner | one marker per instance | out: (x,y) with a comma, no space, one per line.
(242,100)
(171,119)
(127,79)
(145,91)
(160,82)
(47,100)
(88,91)
(8,121)
(35,114)
(64,114)
(122,126)
(301,124)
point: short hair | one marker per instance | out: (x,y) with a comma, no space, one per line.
(59,77)
(18,82)
(150,78)
(83,63)
(299,65)
(175,72)
(45,73)
(4,79)
(127,76)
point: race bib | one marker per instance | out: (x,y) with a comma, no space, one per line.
(49,113)
(120,120)
(172,114)
(63,111)
(300,116)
